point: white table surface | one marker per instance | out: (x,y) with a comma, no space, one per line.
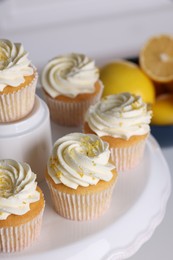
(113,33)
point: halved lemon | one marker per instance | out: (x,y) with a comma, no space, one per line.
(156,58)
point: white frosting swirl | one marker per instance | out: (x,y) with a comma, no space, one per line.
(123,115)
(17,188)
(80,159)
(69,75)
(14,64)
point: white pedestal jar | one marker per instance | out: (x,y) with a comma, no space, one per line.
(28,140)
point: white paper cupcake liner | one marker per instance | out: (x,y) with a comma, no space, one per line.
(14,239)
(128,157)
(71,113)
(81,207)
(16,105)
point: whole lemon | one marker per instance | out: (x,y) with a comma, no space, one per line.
(163,110)
(124,76)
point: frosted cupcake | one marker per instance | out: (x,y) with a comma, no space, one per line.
(80,176)
(123,121)
(18,80)
(21,206)
(71,84)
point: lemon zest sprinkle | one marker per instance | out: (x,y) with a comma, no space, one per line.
(94,164)
(58,174)
(90,146)
(135,105)
(3,56)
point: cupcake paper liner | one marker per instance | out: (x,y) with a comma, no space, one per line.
(128,157)
(16,105)
(81,207)
(70,113)
(13,239)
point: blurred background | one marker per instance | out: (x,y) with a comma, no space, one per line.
(103,29)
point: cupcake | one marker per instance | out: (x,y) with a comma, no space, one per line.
(18,79)
(80,176)
(70,85)
(21,206)
(122,120)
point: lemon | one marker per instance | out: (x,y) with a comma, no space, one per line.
(163,110)
(124,76)
(156,58)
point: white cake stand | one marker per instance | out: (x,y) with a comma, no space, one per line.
(138,207)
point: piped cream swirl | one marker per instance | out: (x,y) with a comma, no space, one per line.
(14,64)
(122,115)
(69,75)
(17,188)
(80,159)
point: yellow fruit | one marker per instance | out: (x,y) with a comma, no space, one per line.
(156,58)
(123,76)
(163,110)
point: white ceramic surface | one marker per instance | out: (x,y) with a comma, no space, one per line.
(138,206)
(29,139)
